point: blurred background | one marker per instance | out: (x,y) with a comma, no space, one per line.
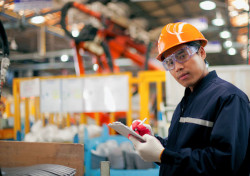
(39,45)
(76,66)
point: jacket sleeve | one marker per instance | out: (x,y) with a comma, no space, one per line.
(228,144)
(163,141)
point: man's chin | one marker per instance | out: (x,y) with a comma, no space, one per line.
(186,85)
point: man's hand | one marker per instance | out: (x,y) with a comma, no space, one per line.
(150,150)
(141,129)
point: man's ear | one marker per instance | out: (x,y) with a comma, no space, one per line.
(202,53)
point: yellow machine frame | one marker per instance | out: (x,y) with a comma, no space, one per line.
(143,81)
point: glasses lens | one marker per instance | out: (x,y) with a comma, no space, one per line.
(169,63)
(182,55)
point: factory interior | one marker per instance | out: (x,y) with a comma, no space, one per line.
(69,69)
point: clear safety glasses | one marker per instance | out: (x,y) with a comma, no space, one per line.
(180,56)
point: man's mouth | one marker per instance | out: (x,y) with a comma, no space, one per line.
(183,76)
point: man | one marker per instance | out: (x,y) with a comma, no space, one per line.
(210,128)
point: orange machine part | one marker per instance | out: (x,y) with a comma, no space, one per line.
(119,45)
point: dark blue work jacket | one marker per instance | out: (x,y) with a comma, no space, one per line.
(209,132)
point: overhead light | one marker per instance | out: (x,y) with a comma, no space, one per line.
(75,32)
(227,43)
(239,4)
(218,21)
(64,58)
(95,67)
(207,5)
(225,34)
(37,19)
(231,51)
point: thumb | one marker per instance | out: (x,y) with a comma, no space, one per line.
(146,137)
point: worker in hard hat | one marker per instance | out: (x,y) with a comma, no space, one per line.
(210,129)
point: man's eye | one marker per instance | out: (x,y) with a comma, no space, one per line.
(170,62)
(181,57)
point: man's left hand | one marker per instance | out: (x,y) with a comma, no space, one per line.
(150,150)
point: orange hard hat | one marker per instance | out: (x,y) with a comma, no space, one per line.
(174,34)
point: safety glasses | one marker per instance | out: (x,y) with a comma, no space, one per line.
(180,56)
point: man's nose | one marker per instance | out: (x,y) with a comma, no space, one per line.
(178,66)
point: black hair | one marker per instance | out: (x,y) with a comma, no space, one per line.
(196,44)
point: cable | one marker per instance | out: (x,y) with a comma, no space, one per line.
(108,55)
(4,40)
(5,62)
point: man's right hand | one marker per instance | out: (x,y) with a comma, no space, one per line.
(141,129)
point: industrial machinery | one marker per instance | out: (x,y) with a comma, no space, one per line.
(106,43)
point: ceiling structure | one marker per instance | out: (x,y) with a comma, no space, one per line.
(36,49)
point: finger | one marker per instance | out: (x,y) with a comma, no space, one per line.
(143,130)
(134,129)
(146,137)
(135,123)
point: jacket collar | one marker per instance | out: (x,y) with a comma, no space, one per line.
(205,81)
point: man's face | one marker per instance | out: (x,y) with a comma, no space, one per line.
(190,72)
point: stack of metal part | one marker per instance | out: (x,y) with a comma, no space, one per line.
(41,170)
